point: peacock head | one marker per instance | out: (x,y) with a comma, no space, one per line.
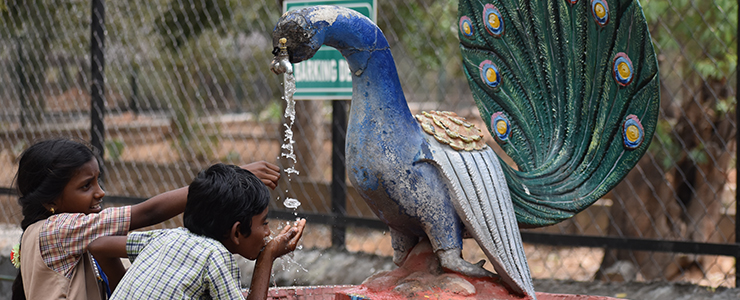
(297,35)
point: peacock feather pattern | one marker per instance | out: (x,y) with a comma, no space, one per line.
(576,83)
(448,128)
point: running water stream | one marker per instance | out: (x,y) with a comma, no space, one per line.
(289,90)
(281,65)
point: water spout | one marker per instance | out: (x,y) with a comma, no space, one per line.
(281,63)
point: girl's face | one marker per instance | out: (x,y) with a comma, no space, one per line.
(83,193)
(251,246)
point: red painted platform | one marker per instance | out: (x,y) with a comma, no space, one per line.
(350,292)
(420,277)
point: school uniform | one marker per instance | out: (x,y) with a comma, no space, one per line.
(54,259)
(178,264)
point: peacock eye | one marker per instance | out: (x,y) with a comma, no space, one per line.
(501,127)
(493,21)
(600,11)
(490,74)
(632,132)
(466,26)
(622,69)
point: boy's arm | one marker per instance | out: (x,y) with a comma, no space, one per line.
(172,203)
(283,244)
(108,251)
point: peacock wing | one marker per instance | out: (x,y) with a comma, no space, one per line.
(569,89)
(479,193)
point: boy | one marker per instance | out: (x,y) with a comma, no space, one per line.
(226,212)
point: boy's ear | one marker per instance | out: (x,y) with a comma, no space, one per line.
(235,234)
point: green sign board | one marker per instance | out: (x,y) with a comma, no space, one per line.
(326,75)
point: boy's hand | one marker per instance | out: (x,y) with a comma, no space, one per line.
(286,241)
(265,171)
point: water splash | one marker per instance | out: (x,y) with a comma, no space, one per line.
(291,203)
(288,261)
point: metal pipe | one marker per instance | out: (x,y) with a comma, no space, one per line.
(338,166)
(97,89)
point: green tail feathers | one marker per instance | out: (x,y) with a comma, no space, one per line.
(569,89)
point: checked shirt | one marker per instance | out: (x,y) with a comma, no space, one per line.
(178,264)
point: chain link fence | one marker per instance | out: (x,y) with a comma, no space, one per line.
(187,83)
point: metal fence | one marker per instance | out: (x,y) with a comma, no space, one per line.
(166,88)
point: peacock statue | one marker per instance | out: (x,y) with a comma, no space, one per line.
(569,89)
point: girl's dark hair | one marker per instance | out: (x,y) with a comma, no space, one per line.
(44,170)
(222,195)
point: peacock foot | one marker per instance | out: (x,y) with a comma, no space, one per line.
(402,245)
(452,261)
(399,257)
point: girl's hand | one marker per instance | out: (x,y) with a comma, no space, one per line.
(265,171)
(286,241)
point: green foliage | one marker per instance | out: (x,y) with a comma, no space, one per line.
(664,146)
(195,137)
(703,31)
(114,149)
(186,20)
(427,29)
(260,17)
(273,112)
(201,35)
(698,155)
(699,41)
(232,157)
(725,106)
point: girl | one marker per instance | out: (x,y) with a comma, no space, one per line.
(60,195)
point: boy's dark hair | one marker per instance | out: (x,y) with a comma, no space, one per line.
(222,195)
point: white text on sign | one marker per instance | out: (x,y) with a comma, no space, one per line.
(322,70)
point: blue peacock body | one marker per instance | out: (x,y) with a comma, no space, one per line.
(569,89)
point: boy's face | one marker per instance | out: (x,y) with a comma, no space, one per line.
(251,246)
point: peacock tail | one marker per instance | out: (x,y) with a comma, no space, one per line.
(570,91)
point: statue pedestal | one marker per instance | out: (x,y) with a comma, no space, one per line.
(350,292)
(419,278)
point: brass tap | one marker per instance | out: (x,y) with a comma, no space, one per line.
(281,45)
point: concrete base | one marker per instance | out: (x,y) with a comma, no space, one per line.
(420,277)
(358,292)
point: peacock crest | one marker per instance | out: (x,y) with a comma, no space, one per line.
(450,129)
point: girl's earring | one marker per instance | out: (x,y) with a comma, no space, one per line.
(52,210)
